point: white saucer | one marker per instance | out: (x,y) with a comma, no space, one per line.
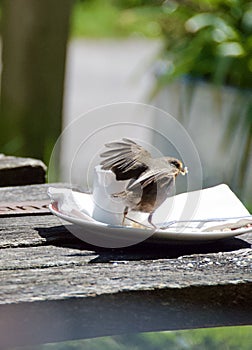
(76,208)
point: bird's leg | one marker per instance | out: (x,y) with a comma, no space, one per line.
(150,220)
(125,212)
(138,223)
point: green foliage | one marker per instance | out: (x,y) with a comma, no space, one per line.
(226,338)
(210,39)
(117,19)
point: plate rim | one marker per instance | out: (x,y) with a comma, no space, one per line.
(165,235)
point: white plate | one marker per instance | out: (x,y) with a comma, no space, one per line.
(76,208)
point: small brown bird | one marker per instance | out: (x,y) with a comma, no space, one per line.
(151,179)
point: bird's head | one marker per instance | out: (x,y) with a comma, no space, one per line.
(178,166)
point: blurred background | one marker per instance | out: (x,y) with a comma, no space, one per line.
(191,58)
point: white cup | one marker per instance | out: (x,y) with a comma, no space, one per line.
(106,208)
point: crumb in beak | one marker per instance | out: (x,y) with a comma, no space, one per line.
(184,171)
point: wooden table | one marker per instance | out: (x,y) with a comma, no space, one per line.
(55,287)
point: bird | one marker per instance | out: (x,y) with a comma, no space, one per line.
(151,180)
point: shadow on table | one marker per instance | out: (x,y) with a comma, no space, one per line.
(147,250)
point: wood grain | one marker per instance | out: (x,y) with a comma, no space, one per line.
(55,287)
(16,171)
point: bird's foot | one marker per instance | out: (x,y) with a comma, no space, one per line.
(135,224)
(150,221)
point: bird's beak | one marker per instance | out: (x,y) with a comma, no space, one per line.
(184,171)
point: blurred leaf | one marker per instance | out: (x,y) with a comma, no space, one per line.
(207,39)
(233,49)
(203,20)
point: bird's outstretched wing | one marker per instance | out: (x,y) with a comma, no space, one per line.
(164,176)
(126,159)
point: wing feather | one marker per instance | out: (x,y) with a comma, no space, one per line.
(125,158)
(163,175)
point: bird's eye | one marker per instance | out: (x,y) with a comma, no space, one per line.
(175,163)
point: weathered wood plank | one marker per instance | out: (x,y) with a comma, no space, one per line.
(16,171)
(31,231)
(125,312)
(24,193)
(54,287)
(37,230)
(53,273)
